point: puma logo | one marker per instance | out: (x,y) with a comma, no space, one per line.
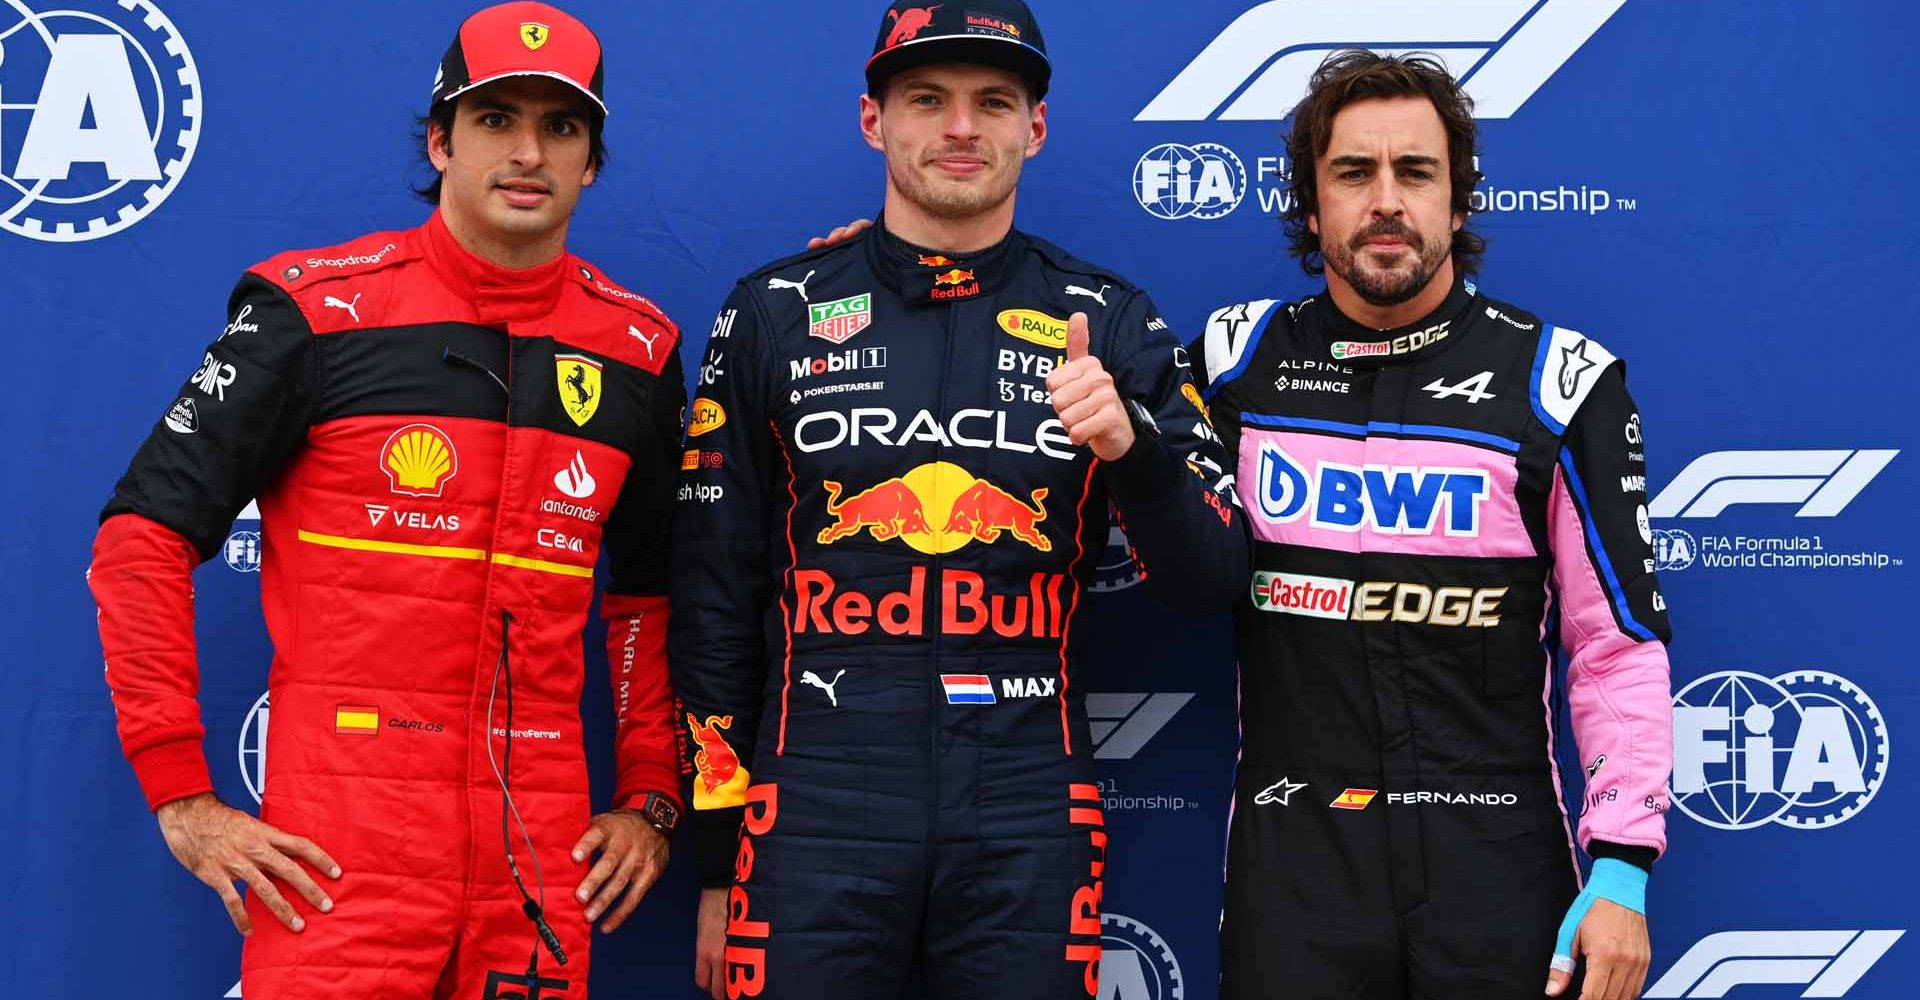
(809,677)
(351,307)
(1099,296)
(644,340)
(775,284)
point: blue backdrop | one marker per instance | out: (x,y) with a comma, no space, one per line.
(1716,190)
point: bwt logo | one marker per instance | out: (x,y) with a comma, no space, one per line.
(111,102)
(1121,724)
(1827,963)
(1501,51)
(1806,749)
(1390,500)
(1202,181)
(1823,483)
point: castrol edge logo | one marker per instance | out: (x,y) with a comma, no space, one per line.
(1376,600)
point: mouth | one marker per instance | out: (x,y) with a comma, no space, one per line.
(522,193)
(960,166)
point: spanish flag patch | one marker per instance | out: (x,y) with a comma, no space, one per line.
(356,720)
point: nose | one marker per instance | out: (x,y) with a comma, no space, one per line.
(1388,199)
(529,148)
(962,126)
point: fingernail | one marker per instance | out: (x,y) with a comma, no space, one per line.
(578,857)
(326,906)
(593,913)
(335,871)
(299,925)
(580,894)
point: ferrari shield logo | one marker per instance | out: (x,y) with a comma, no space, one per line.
(579,386)
(533,35)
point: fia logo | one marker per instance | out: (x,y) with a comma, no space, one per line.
(242,551)
(111,124)
(1202,181)
(253,748)
(1135,962)
(1807,749)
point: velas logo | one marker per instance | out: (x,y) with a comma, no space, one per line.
(708,416)
(1036,328)
(1389,499)
(840,319)
(937,508)
(109,97)
(418,460)
(579,379)
(1503,51)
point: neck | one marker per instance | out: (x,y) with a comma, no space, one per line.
(960,237)
(1366,313)
(508,253)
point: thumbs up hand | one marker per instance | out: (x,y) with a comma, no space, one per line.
(1084,397)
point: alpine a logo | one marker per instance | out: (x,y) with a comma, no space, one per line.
(1501,51)
(1821,482)
(1395,500)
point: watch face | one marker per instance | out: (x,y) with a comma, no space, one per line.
(662,812)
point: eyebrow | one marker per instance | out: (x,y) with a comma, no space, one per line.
(508,107)
(991,90)
(1403,160)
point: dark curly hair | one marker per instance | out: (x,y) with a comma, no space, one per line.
(1355,75)
(442,115)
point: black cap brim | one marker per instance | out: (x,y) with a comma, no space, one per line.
(1005,53)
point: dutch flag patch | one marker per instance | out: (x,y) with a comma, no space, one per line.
(968,689)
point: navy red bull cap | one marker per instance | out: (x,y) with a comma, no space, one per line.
(999,33)
(522,39)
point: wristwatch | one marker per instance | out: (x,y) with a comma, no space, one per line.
(660,813)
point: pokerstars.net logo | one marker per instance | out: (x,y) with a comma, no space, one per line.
(99,115)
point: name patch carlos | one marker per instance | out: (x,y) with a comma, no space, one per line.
(966,608)
(1390,500)
(1376,600)
(965,429)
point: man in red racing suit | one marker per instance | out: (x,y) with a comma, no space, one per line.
(441,446)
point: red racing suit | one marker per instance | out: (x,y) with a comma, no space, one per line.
(441,448)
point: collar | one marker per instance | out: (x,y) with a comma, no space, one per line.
(1353,343)
(928,277)
(498,294)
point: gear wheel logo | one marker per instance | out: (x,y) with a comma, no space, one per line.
(1806,749)
(1117,568)
(99,116)
(1135,963)
(253,748)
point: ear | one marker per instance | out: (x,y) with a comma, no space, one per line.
(1458,222)
(439,151)
(870,122)
(586,180)
(1037,138)
(1313,223)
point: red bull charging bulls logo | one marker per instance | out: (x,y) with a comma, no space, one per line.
(937,508)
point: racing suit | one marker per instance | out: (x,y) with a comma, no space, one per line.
(441,447)
(882,541)
(1422,500)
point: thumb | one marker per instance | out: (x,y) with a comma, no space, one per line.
(1077,336)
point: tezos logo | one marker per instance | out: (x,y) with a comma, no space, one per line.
(1135,962)
(1806,749)
(110,101)
(1202,181)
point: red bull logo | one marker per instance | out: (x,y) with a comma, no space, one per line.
(937,260)
(723,782)
(966,606)
(908,23)
(937,508)
(747,962)
(953,277)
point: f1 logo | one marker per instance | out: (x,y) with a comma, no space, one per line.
(1501,51)
(1123,723)
(1828,963)
(1822,482)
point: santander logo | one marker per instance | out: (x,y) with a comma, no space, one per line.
(574,480)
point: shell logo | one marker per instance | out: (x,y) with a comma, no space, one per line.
(418,460)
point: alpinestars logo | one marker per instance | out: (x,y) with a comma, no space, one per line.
(1501,51)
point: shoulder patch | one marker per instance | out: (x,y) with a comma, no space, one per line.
(1229,338)
(303,268)
(595,282)
(1566,366)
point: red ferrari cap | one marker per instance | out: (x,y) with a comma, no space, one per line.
(522,39)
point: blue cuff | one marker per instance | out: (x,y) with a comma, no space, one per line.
(1613,880)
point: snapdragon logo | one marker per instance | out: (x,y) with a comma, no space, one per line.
(1501,51)
(105,100)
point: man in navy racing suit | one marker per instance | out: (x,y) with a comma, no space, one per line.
(898,468)
(1427,473)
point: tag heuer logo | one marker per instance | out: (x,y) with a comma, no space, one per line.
(839,320)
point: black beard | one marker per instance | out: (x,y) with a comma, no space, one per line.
(1379,287)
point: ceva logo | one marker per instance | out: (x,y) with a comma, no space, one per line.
(111,102)
(1501,51)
